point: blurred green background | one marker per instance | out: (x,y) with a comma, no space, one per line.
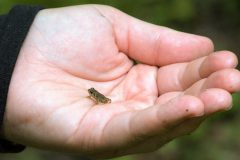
(217,138)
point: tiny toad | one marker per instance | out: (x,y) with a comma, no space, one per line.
(98,97)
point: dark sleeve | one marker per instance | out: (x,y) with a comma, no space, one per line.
(13,30)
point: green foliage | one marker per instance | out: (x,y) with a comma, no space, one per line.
(217,138)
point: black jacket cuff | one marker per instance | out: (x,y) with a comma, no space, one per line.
(13,30)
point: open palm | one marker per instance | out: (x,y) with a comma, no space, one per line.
(69,50)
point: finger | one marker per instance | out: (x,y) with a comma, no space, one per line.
(227,79)
(215,90)
(178,77)
(215,100)
(152,44)
(164,98)
(141,125)
(203,67)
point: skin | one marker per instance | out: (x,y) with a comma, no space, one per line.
(180,82)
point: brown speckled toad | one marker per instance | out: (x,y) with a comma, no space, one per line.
(98,97)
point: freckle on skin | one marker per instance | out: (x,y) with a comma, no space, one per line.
(186,110)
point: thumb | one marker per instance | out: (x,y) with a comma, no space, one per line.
(152,44)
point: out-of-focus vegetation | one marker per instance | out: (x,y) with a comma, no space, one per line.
(218,138)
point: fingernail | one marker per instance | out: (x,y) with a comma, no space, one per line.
(228,108)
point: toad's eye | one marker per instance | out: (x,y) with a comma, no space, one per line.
(91,90)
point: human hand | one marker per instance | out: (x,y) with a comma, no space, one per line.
(69,50)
